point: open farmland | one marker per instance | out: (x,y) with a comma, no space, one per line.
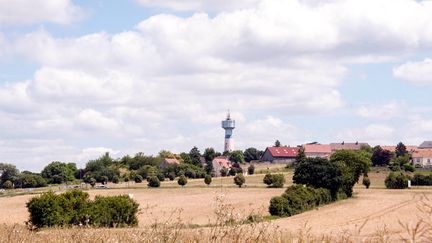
(194,205)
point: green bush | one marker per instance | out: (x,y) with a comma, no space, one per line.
(224,172)
(422,180)
(208,180)
(297,199)
(138,178)
(7,185)
(251,169)
(408,167)
(115,179)
(114,211)
(153,182)
(239,180)
(366,181)
(396,181)
(75,208)
(274,180)
(171,176)
(182,181)
(161,177)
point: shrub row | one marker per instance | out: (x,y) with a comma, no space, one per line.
(75,208)
(297,199)
(422,180)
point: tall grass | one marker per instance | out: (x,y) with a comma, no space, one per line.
(228,225)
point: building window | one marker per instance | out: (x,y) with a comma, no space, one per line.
(429,161)
(418,160)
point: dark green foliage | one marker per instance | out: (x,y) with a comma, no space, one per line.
(301,156)
(239,180)
(381,157)
(397,163)
(161,176)
(401,150)
(235,169)
(274,180)
(408,167)
(195,157)
(138,178)
(251,154)
(114,211)
(30,180)
(224,172)
(207,179)
(320,172)
(366,181)
(209,154)
(182,180)
(297,199)
(140,160)
(115,179)
(236,157)
(147,171)
(58,172)
(9,173)
(75,208)
(277,143)
(251,169)
(396,181)
(153,182)
(171,176)
(189,170)
(422,180)
(7,185)
(92,182)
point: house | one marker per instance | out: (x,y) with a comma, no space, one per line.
(425,145)
(284,154)
(219,163)
(348,146)
(169,161)
(317,150)
(422,157)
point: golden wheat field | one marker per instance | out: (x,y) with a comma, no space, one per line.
(376,213)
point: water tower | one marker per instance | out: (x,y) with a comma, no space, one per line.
(229,126)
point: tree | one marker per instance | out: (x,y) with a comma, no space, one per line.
(165,154)
(239,180)
(207,180)
(398,163)
(8,172)
(209,155)
(30,180)
(182,180)
(277,143)
(401,150)
(57,172)
(301,156)
(381,157)
(251,169)
(354,164)
(320,172)
(224,172)
(195,156)
(396,181)
(237,157)
(251,154)
(153,182)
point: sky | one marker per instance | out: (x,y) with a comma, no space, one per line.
(82,77)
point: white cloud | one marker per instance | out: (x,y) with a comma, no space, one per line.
(374,134)
(167,82)
(23,12)
(386,111)
(415,72)
(199,5)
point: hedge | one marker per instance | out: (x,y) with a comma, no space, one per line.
(75,208)
(422,180)
(297,199)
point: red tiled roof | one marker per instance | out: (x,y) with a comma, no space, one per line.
(222,161)
(422,153)
(393,148)
(317,148)
(171,161)
(283,151)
